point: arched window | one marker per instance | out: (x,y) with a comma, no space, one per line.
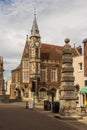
(42,93)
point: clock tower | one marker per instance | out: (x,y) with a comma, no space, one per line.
(34,50)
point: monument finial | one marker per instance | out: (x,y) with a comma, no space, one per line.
(67,40)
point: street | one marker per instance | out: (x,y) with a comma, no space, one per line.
(13,117)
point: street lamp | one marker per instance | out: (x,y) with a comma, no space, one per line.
(33,89)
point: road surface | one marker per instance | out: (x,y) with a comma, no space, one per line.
(16,117)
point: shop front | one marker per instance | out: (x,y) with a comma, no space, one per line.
(84,94)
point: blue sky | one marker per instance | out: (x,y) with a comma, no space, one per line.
(57,19)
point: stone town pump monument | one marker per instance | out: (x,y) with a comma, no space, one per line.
(67,91)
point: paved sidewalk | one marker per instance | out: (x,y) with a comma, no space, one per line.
(81,124)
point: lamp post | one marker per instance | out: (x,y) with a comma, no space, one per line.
(34,100)
(33,89)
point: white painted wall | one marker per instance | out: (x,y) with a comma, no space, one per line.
(79,75)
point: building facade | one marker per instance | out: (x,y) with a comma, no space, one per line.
(85,61)
(84,88)
(1,79)
(78,63)
(39,72)
(8,87)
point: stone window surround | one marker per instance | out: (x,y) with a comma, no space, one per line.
(54,74)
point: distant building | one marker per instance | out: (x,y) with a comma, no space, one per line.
(39,70)
(1,79)
(8,87)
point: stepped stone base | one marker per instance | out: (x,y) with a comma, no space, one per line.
(2,98)
(73,117)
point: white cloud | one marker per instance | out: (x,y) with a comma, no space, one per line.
(56,19)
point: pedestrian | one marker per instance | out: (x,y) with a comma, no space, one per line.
(83,108)
(58,105)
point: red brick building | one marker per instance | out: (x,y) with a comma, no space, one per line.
(85,61)
(40,67)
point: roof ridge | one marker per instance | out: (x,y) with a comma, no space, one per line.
(51,45)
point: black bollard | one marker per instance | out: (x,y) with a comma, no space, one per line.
(26,104)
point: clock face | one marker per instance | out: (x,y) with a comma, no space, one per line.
(37,44)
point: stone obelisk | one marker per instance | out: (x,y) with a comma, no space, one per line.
(66,90)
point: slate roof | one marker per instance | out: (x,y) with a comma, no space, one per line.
(51,52)
(54,52)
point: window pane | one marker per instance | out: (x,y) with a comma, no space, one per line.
(85,82)
(25,75)
(54,74)
(80,66)
(43,75)
(25,64)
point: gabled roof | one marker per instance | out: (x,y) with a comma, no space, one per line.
(54,52)
(51,52)
(18,68)
(48,52)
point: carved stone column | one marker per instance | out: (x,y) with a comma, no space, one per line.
(67,91)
